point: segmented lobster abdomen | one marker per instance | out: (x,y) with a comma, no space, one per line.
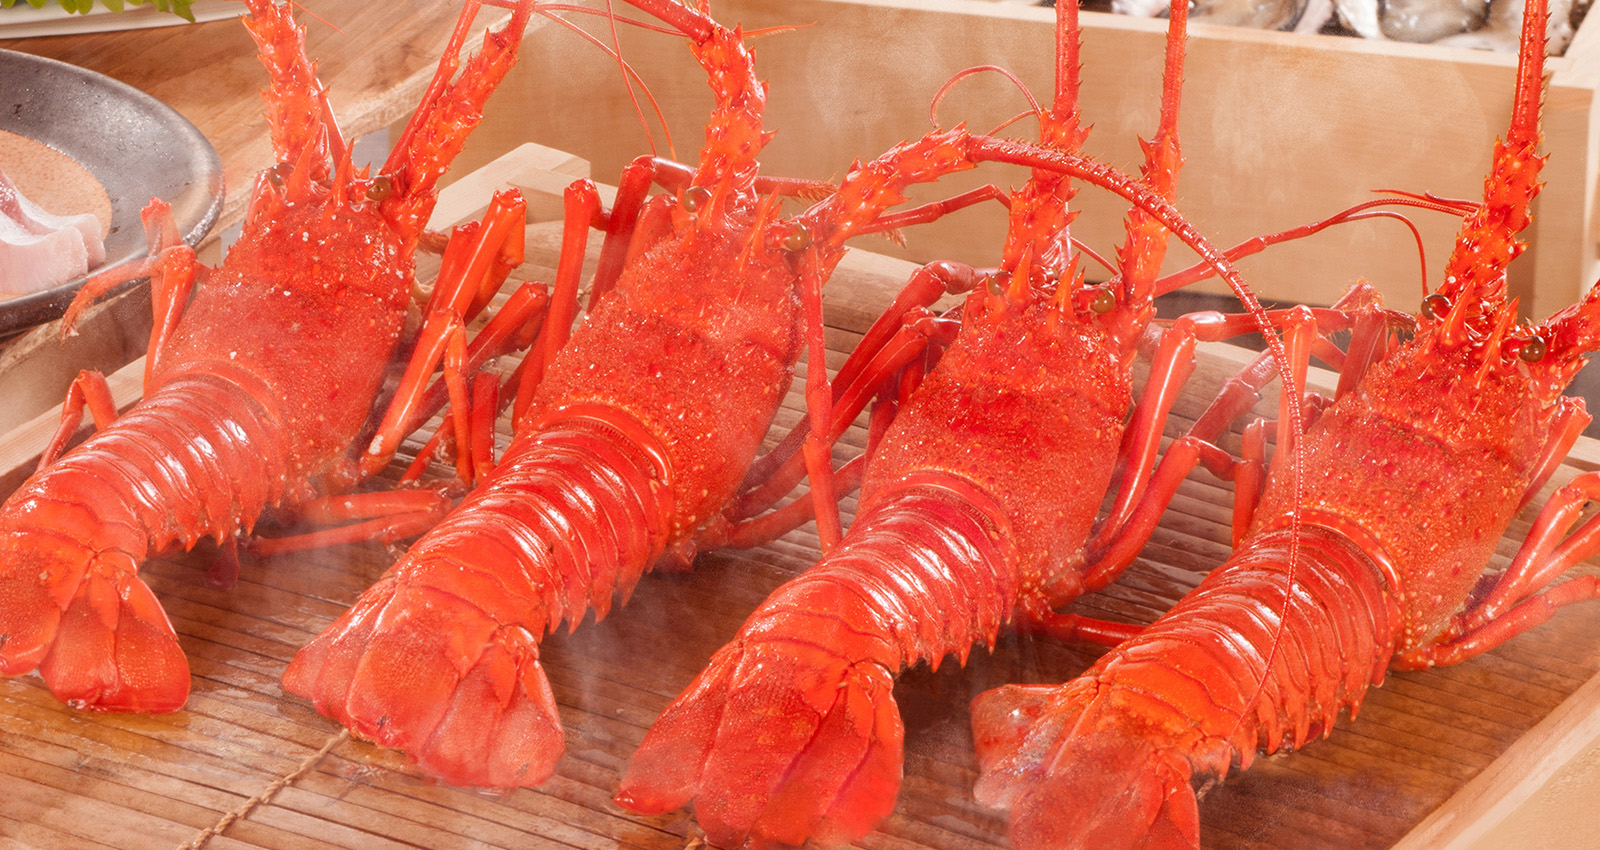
(1201,673)
(440,657)
(201,457)
(792,731)
(198,458)
(921,575)
(574,515)
(1239,664)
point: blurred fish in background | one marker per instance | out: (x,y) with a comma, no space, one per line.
(1479,24)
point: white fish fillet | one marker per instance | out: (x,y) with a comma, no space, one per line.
(38,250)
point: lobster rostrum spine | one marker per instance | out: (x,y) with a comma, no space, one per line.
(237,416)
(1410,478)
(639,432)
(976,510)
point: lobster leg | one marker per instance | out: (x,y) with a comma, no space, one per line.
(474,269)
(1133,518)
(515,327)
(387,516)
(911,342)
(1174,361)
(896,336)
(172,269)
(896,369)
(819,402)
(1110,553)
(1169,370)
(581,205)
(633,188)
(1568,426)
(88,390)
(475,264)
(170,289)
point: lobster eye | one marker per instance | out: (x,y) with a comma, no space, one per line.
(1436,306)
(1104,302)
(1533,350)
(997,282)
(381,187)
(696,197)
(797,239)
(278,174)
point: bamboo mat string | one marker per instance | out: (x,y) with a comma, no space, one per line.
(266,794)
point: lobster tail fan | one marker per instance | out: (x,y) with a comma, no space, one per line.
(1108,787)
(1001,721)
(501,723)
(476,711)
(115,650)
(71,601)
(829,770)
(663,772)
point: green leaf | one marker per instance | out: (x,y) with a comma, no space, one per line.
(83,7)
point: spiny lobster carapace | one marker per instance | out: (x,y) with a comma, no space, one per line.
(977,511)
(261,376)
(638,432)
(1411,476)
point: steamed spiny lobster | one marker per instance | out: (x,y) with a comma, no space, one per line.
(260,377)
(977,510)
(1411,476)
(638,431)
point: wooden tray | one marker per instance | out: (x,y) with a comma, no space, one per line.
(98,781)
(1278,129)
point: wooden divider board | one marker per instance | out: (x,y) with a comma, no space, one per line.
(90,780)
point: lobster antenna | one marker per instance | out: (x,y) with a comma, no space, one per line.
(628,71)
(1364,211)
(1065,131)
(1069,64)
(1144,249)
(633,97)
(982,148)
(1475,274)
(938,96)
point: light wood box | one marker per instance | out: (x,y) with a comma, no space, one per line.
(1278,129)
(1436,760)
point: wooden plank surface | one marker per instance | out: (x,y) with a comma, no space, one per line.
(76,779)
